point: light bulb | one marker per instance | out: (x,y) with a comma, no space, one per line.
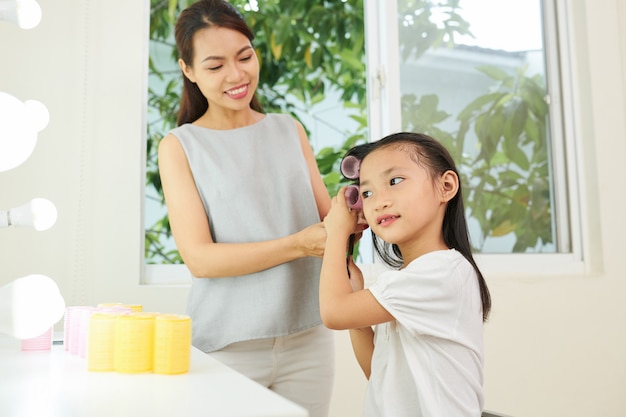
(39,213)
(19,124)
(39,115)
(29,306)
(26,13)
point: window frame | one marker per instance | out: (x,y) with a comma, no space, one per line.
(384,118)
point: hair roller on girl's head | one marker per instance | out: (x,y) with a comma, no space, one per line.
(353,197)
(350,168)
(350,165)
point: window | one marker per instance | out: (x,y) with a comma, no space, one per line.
(490,81)
(487,78)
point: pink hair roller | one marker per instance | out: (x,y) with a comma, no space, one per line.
(353,197)
(350,166)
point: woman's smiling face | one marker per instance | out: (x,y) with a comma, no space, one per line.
(225,67)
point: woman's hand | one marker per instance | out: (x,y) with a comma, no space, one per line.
(312,240)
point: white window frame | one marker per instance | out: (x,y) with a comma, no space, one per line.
(384,118)
(383,76)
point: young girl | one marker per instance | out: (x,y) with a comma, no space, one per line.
(245,201)
(424,356)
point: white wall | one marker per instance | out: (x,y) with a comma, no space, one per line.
(555,346)
(86,62)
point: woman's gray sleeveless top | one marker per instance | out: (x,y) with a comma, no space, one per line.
(255,186)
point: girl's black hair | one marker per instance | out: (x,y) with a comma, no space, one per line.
(433,156)
(200,15)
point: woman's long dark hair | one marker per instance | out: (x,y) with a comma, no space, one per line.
(200,15)
(432,155)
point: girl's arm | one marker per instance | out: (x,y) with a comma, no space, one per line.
(363,347)
(341,307)
(191,231)
(362,339)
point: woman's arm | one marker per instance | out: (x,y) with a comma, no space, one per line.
(192,233)
(319,188)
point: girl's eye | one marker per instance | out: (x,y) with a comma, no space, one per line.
(396,180)
(366,194)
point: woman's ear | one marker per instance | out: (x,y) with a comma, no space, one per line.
(449,185)
(186,70)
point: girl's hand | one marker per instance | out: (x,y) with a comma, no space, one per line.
(341,219)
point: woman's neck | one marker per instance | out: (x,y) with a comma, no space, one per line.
(227,120)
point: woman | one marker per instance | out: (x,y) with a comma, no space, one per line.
(245,201)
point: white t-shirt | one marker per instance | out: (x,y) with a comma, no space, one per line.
(429,361)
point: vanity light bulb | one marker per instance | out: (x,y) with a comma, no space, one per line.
(44,213)
(20,123)
(29,306)
(26,13)
(38,114)
(39,213)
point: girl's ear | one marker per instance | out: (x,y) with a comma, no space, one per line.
(449,185)
(186,70)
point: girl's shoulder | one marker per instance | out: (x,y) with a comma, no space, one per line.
(444,268)
(450,257)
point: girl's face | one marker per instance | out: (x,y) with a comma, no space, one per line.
(225,68)
(401,203)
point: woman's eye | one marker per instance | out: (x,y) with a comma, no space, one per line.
(396,180)
(247,58)
(214,68)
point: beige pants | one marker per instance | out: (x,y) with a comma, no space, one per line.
(299,367)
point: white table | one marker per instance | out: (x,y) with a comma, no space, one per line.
(57,384)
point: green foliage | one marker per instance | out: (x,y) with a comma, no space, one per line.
(427,24)
(511,193)
(307,48)
(505,173)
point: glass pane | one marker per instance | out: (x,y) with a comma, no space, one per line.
(473,75)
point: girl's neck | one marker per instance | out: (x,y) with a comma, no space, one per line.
(228,119)
(414,251)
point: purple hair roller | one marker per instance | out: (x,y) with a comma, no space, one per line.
(353,197)
(350,167)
